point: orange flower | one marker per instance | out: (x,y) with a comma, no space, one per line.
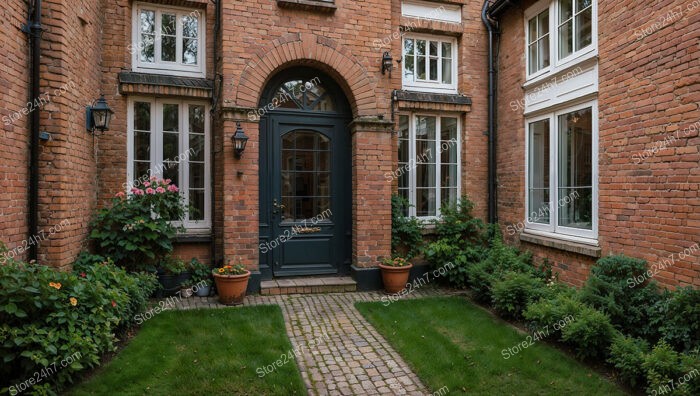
(73,301)
(56,286)
(221,270)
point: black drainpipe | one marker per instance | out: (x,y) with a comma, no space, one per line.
(33,29)
(216,93)
(491,28)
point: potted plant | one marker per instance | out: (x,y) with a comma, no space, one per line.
(172,273)
(201,278)
(231,283)
(395,273)
(186,290)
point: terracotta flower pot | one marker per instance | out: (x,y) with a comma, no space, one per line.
(231,288)
(395,278)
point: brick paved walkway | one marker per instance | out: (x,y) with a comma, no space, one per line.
(340,352)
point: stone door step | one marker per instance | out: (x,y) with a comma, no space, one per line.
(308,285)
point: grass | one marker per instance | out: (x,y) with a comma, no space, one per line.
(202,352)
(450,342)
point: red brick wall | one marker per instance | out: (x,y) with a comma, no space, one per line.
(648,90)
(14,139)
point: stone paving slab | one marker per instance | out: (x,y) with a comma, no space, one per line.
(338,352)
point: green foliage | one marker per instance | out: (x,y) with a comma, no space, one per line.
(461,240)
(406,232)
(546,312)
(200,272)
(590,333)
(679,318)
(136,231)
(500,259)
(611,288)
(669,371)
(514,292)
(47,316)
(627,355)
(171,265)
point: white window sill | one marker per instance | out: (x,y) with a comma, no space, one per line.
(555,71)
(583,246)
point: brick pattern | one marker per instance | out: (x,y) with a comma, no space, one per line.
(648,91)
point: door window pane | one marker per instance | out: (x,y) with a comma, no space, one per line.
(575,192)
(538,189)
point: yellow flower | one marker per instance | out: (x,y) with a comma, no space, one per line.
(56,286)
(221,270)
(73,301)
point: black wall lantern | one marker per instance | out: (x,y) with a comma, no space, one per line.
(239,139)
(98,116)
(387,63)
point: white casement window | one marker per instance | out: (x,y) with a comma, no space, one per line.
(168,40)
(169,139)
(562,172)
(429,162)
(429,64)
(558,33)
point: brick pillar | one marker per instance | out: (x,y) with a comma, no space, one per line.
(371,192)
(239,191)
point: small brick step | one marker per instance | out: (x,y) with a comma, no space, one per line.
(336,284)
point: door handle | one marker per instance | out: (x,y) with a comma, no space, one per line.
(277,206)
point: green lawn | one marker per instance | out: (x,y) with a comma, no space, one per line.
(202,352)
(450,342)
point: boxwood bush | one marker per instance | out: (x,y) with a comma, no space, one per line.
(627,355)
(514,292)
(47,316)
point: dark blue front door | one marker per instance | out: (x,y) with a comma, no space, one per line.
(305,178)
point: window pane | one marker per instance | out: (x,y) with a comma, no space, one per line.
(532,30)
(433,69)
(583,29)
(196,203)
(189,51)
(408,46)
(148,49)
(196,175)
(566,44)
(448,196)
(448,176)
(196,152)
(532,58)
(168,49)
(575,199)
(148,21)
(448,128)
(168,25)
(565,10)
(425,202)
(171,117)
(543,52)
(583,4)
(433,48)
(403,170)
(142,146)
(425,175)
(171,146)
(196,119)
(425,127)
(409,68)
(420,47)
(538,164)
(142,116)
(420,68)
(447,50)
(189,27)
(171,170)
(543,23)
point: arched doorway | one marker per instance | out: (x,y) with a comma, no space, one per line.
(305,176)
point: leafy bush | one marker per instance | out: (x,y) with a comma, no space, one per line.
(627,355)
(669,371)
(406,232)
(679,322)
(460,240)
(500,259)
(200,272)
(544,313)
(514,292)
(136,230)
(590,333)
(48,316)
(610,290)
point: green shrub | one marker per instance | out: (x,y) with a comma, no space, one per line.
(136,230)
(47,316)
(546,312)
(611,288)
(406,232)
(679,318)
(460,240)
(500,259)
(590,333)
(627,355)
(668,371)
(200,272)
(514,292)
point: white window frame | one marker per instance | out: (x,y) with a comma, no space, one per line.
(156,153)
(556,64)
(438,161)
(426,85)
(176,68)
(552,229)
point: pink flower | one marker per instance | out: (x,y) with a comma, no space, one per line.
(83,275)
(137,191)
(120,194)
(160,190)
(153,178)
(150,191)
(172,188)
(146,184)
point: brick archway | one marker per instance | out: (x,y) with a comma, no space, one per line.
(309,50)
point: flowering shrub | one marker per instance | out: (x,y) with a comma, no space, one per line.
(136,230)
(395,262)
(47,316)
(237,269)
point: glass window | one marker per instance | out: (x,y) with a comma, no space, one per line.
(574,26)
(170,141)
(169,40)
(538,42)
(429,64)
(428,166)
(538,189)
(575,170)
